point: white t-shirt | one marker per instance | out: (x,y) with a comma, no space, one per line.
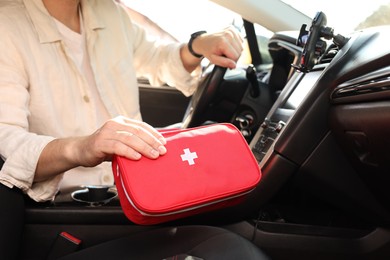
(76,44)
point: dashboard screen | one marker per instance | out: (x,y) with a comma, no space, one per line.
(301,90)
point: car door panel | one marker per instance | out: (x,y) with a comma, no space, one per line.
(162,106)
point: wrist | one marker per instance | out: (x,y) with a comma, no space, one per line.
(191,41)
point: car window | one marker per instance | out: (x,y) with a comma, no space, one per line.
(347,16)
(180,19)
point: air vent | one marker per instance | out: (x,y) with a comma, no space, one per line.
(262,76)
(329,54)
(372,86)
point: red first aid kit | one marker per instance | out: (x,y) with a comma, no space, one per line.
(205,168)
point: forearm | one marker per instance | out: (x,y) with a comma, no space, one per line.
(122,136)
(57,157)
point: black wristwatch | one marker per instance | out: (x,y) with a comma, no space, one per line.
(193,37)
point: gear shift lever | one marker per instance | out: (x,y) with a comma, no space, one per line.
(251,75)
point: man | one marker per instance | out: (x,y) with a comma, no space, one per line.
(69,67)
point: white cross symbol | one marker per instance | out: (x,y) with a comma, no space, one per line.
(188,156)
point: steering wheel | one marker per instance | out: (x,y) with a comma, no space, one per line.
(203,96)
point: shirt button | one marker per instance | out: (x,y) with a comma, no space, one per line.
(108,179)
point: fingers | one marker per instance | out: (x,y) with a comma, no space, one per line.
(141,128)
(129,138)
(139,136)
(234,43)
(135,145)
(222,48)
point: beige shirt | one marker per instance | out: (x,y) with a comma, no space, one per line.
(44,96)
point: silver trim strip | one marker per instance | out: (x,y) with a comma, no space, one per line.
(372,82)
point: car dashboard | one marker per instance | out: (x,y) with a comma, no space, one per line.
(327,132)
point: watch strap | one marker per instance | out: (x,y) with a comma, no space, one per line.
(193,37)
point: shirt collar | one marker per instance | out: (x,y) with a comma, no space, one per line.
(45,26)
(91,21)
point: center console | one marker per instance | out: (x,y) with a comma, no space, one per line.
(310,64)
(298,86)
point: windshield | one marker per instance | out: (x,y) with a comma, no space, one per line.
(347,16)
(181,18)
(178,18)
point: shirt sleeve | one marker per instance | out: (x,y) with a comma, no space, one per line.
(18,147)
(160,62)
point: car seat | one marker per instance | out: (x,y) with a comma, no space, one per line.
(11,221)
(183,242)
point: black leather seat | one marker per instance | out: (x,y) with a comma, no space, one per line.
(185,242)
(11,221)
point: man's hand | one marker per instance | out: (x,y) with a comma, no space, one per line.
(122,136)
(222,48)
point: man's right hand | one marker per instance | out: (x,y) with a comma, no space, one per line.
(121,136)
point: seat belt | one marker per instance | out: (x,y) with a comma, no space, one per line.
(252,42)
(64,244)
